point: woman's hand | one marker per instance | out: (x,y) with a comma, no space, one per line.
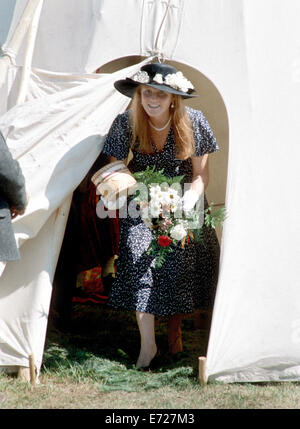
(15,212)
(115,204)
(199,183)
(189,200)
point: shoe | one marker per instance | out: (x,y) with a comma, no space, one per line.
(152,364)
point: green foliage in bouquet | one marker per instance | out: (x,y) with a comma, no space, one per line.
(151,175)
(213,219)
(160,253)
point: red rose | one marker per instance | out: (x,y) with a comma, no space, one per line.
(164,241)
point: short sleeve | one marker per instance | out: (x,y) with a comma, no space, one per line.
(117,140)
(205,141)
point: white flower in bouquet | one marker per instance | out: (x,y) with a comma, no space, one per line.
(157,199)
(178,232)
(160,198)
(144,210)
(154,208)
(148,222)
(154,190)
(172,199)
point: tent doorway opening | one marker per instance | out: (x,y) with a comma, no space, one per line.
(86,265)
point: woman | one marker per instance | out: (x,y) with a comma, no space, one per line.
(161,132)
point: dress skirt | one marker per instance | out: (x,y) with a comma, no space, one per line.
(186,281)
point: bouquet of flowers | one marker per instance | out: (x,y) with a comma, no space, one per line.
(160,202)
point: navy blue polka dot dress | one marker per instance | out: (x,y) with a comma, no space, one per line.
(187,280)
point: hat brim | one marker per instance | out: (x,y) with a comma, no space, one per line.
(128,86)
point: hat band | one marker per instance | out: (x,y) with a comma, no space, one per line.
(174,80)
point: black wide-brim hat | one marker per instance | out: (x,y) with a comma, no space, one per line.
(160,76)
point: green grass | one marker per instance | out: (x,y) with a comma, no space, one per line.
(103,347)
(113,375)
(91,365)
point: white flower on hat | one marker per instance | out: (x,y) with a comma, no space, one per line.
(178,81)
(158,78)
(174,80)
(141,77)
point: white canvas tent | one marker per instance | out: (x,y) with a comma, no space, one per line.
(243,56)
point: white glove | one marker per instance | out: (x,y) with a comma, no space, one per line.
(115,204)
(189,200)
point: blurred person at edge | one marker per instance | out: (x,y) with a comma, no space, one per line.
(13,201)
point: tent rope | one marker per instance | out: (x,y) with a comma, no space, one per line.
(157,51)
(10,53)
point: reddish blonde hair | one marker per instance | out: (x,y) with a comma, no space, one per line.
(182,127)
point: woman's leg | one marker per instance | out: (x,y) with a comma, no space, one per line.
(148,350)
(174,333)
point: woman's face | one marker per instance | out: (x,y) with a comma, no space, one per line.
(156,103)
